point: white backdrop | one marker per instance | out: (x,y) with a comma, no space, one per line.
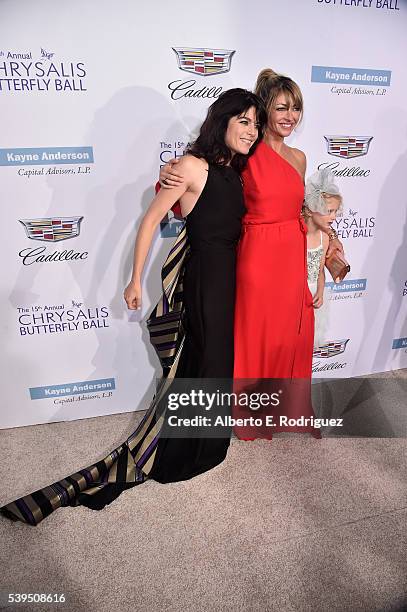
(93,101)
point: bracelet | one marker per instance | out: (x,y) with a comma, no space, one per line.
(332,235)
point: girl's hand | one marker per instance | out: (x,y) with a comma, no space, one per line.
(132,295)
(169,176)
(318,300)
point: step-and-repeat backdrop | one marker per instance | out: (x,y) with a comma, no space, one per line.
(96,96)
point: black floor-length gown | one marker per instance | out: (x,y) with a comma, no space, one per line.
(213,230)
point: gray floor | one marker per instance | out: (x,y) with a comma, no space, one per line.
(295,524)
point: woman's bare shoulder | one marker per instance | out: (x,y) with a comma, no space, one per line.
(300,159)
(300,155)
(190,163)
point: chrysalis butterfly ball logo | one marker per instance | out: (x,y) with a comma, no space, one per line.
(331,348)
(204,62)
(52,229)
(348,147)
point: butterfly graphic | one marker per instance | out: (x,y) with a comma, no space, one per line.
(46,54)
(352,213)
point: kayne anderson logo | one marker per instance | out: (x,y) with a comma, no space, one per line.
(88,389)
(348,146)
(202,62)
(52,229)
(357,81)
(347,290)
(399,343)
(354,76)
(48,156)
(44,156)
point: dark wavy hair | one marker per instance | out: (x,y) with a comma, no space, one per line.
(210,144)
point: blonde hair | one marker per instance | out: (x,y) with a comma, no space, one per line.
(270,85)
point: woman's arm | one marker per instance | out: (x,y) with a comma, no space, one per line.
(157,210)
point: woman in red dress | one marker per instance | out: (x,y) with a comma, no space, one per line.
(274,317)
(274,314)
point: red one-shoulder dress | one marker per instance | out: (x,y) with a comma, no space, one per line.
(274,317)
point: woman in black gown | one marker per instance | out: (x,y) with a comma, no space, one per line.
(212,202)
(213,229)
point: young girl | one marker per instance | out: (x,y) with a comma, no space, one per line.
(323,202)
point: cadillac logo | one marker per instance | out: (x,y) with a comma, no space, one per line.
(331,348)
(203,61)
(348,146)
(52,229)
